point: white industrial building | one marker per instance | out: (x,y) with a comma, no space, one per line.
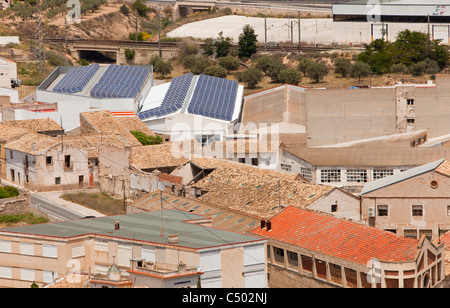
(369,20)
(191,106)
(103,87)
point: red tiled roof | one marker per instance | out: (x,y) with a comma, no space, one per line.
(338,238)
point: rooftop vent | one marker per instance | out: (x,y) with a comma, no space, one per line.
(173,239)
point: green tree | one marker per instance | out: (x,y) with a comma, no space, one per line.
(124,9)
(274,70)
(359,70)
(163,68)
(223,45)
(399,69)
(247,42)
(200,65)
(303,65)
(229,63)
(317,71)
(251,77)
(208,47)
(342,66)
(290,76)
(140,7)
(263,63)
(216,71)
(129,54)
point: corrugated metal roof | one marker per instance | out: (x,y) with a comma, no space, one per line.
(145,227)
(377,184)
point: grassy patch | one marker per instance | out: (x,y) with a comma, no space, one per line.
(100,202)
(28,218)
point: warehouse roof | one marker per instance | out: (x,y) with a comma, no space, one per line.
(141,227)
(379,156)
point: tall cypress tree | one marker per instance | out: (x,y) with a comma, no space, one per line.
(247,42)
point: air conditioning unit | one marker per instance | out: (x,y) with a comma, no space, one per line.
(371,211)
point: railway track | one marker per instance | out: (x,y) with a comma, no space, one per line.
(175,45)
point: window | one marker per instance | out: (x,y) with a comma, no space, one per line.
(334,208)
(286,167)
(292,258)
(357,175)
(330,175)
(11,154)
(410,121)
(417,210)
(448,210)
(306,173)
(49,160)
(49,251)
(67,161)
(307,263)
(382,210)
(381,173)
(278,254)
(428,233)
(57,181)
(410,101)
(412,233)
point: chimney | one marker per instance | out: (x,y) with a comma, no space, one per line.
(173,239)
(263,224)
(116,225)
(269,225)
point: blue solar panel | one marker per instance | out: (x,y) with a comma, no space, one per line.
(76,79)
(120,82)
(214,98)
(174,98)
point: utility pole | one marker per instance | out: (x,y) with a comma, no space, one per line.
(39,38)
(265,33)
(136,25)
(299,32)
(159,35)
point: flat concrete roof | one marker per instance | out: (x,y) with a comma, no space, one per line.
(144,227)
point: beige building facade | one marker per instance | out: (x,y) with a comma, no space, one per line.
(413,203)
(44,253)
(332,116)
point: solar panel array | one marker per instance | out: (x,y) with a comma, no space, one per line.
(214,98)
(174,98)
(76,79)
(120,82)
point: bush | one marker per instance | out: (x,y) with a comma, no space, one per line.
(251,77)
(290,76)
(124,9)
(163,68)
(342,66)
(317,71)
(229,63)
(129,54)
(145,139)
(215,71)
(8,192)
(359,70)
(274,70)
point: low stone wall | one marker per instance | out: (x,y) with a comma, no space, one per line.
(17,205)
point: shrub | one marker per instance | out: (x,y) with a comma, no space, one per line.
(145,139)
(290,76)
(8,192)
(129,54)
(251,77)
(215,71)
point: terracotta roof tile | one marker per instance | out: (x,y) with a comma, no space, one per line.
(339,238)
(35,125)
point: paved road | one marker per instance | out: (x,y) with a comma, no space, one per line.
(56,210)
